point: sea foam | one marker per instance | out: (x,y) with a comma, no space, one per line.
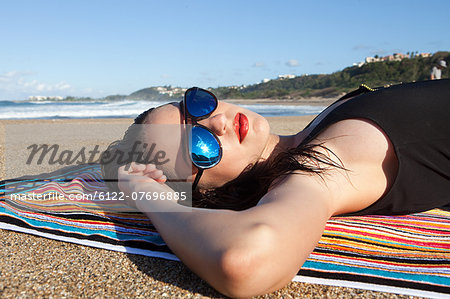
(121,109)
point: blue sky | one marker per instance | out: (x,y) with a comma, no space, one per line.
(97,48)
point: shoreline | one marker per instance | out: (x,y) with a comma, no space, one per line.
(113,110)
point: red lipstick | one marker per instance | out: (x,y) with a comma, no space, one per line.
(241,126)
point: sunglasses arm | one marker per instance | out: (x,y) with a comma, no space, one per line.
(197,178)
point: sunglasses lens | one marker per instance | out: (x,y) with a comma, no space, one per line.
(205,149)
(200,102)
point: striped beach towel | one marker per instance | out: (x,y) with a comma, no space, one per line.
(401,254)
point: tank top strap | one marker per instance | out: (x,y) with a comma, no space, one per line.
(363,88)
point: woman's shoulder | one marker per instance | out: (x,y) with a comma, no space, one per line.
(357,141)
(369,158)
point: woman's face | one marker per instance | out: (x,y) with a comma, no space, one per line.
(238,150)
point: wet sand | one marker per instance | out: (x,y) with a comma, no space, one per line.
(37,267)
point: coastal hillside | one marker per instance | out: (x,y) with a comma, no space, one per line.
(331,85)
(408,69)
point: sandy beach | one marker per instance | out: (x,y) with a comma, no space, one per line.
(313,101)
(37,267)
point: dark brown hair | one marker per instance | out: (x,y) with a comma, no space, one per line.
(247,189)
(253,183)
(121,147)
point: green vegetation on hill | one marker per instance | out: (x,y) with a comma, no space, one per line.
(150,93)
(331,85)
(324,85)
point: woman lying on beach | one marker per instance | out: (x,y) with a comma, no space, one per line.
(262,201)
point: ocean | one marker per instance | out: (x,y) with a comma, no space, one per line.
(120,109)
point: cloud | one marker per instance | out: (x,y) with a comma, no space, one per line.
(292,63)
(16,84)
(9,77)
(362,47)
(438,44)
(259,64)
(385,49)
(384,52)
(206,79)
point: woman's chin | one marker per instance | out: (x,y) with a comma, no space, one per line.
(260,127)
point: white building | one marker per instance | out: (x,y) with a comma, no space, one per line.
(289,76)
(45,98)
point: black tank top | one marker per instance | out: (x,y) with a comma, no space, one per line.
(416,118)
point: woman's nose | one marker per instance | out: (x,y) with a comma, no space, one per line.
(217,123)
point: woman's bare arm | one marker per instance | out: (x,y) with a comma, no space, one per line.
(245,253)
(259,250)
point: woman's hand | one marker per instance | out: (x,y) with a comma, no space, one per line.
(134,176)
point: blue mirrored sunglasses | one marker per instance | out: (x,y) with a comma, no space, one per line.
(205,149)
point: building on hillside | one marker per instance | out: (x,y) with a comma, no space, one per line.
(238,86)
(372,59)
(283,77)
(170,91)
(394,57)
(45,98)
(424,55)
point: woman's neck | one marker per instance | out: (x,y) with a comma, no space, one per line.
(278,143)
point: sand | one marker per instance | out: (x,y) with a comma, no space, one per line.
(313,101)
(37,267)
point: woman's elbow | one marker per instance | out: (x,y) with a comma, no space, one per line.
(237,269)
(244,266)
